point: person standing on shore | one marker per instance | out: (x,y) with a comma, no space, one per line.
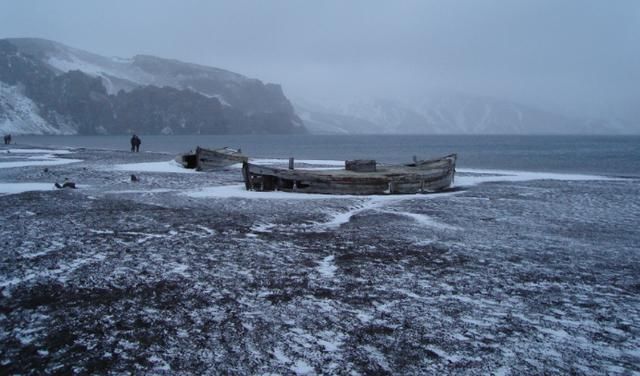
(135,143)
(7,139)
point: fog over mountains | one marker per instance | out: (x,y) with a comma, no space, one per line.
(447,113)
(49,88)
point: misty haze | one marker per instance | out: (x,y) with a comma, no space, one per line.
(288,187)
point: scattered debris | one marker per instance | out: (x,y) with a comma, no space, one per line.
(66,184)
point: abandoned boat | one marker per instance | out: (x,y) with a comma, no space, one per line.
(360,177)
(211,159)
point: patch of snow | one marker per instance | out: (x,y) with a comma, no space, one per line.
(263,227)
(15,188)
(20,115)
(279,355)
(61,272)
(55,246)
(25,336)
(427,221)
(221,99)
(239,191)
(443,354)
(120,68)
(518,176)
(302,368)
(364,317)
(375,202)
(180,269)
(144,191)
(73,63)
(329,346)
(121,60)
(169,166)
(206,229)
(38,163)
(160,364)
(102,232)
(327,267)
(39,151)
(378,357)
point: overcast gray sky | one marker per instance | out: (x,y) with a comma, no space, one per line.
(580,55)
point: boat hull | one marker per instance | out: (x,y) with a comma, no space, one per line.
(211,159)
(432,176)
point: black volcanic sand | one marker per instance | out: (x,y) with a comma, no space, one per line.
(507,278)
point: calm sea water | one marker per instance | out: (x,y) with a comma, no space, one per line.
(608,155)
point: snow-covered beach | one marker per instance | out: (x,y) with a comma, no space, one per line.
(184,272)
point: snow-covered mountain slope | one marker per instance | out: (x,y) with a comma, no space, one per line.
(125,74)
(468,114)
(94,94)
(20,115)
(321,120)
(446,113)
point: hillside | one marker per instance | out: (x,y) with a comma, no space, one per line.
(49,88)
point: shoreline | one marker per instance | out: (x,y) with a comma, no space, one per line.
(611,156)
(154,162)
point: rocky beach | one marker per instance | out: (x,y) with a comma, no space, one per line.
(184,272)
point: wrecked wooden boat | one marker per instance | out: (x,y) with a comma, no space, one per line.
(211,159)
(360,177)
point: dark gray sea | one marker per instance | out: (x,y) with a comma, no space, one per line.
(604,155)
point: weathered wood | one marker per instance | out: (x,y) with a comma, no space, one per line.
(360,165)
(212,159)
(246,176)
(420,177)
(187,160)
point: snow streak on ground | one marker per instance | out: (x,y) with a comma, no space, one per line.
(14,158)
(515,273)
(13,188)
(37,151)
(169,166)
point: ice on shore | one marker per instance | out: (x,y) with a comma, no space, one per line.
(42,157)
(168,166)
(480,176)
(239,191)
(14,188)
(38,151)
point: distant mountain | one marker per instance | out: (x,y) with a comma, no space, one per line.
(446,113)
(323,120)
(49,88)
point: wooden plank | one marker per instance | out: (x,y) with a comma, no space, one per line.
(208,160)
(360,165)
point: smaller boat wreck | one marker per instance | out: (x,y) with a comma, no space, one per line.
(211,159)
(360,177)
